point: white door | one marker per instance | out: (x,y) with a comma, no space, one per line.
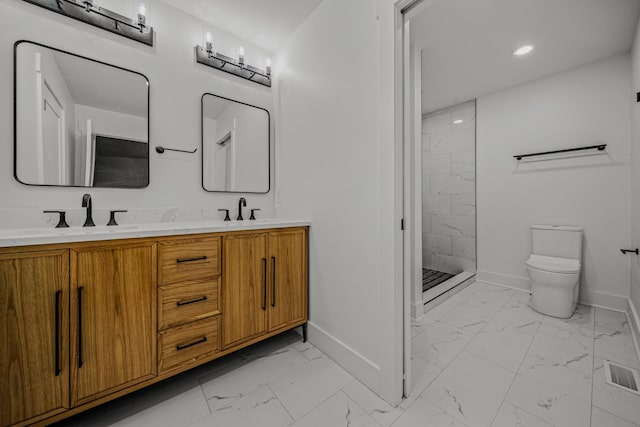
(52,139)
(90,154)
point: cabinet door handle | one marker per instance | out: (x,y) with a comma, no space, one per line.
(200,258)
(80,361)
(57,333)
(264,288)
(191,344)
(191,301)
(273,281)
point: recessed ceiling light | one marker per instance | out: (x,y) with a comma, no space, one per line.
(523,50)
(457,122)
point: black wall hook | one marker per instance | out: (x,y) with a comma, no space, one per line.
(161,150)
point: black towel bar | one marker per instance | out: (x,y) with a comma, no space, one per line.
(600,147)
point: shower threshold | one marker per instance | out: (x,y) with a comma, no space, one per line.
(447,286)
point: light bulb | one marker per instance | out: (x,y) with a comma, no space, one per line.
(268,67)
(241,55)
(142,19)
(208,44)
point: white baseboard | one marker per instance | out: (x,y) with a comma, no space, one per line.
(634,323)
(417,310)
(602,300)
(595,299)
(505,280)
(353,362)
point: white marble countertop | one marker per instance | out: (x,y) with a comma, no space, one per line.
(43,236)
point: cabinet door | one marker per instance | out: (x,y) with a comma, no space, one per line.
(244,293)
(34,325)
(288,281)
(113,322)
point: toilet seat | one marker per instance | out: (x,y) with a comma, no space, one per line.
(553,264)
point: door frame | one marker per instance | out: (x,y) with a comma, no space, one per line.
(407,62)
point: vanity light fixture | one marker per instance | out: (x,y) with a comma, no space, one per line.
(89,12)
(523,50)
(206,56)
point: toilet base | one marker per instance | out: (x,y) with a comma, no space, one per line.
(554,301)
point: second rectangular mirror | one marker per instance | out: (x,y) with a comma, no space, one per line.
(235,146)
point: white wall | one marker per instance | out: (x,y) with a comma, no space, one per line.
(585,106)
(336,166)
(176,86)
(635,174)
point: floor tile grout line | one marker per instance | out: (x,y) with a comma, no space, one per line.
(290,345)
(504,399)
(360,406)
(282,404)
(448,364)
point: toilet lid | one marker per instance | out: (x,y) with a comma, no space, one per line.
(554,264)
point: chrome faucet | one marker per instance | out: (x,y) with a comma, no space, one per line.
(86,203)
(242,202)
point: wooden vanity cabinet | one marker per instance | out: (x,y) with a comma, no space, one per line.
(265,283)
(34,335)
(84,323)
(113,320)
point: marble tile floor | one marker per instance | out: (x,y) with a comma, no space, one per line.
(481,358)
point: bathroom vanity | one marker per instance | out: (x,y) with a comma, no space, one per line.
(88,316)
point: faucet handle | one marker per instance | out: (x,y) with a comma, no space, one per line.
(253,217)
(62,222)
(112,217)
(226,216)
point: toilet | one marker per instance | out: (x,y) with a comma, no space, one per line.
(554,269)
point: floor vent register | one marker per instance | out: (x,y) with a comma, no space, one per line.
(621,377)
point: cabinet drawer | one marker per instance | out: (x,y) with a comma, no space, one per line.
(185,302)
(188,259)
(186,343)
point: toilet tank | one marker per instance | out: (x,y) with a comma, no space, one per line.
(557,241)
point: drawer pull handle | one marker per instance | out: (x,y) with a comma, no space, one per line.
(200,258)
(191,344)
(191,301)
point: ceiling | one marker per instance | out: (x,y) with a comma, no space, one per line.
(100,86)
(467,45)
(266,24)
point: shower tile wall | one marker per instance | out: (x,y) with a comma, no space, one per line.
(448,189)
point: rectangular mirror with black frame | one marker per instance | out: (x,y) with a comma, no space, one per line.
(78,122)
(235,146)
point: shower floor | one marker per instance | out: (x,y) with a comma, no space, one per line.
(431,278)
